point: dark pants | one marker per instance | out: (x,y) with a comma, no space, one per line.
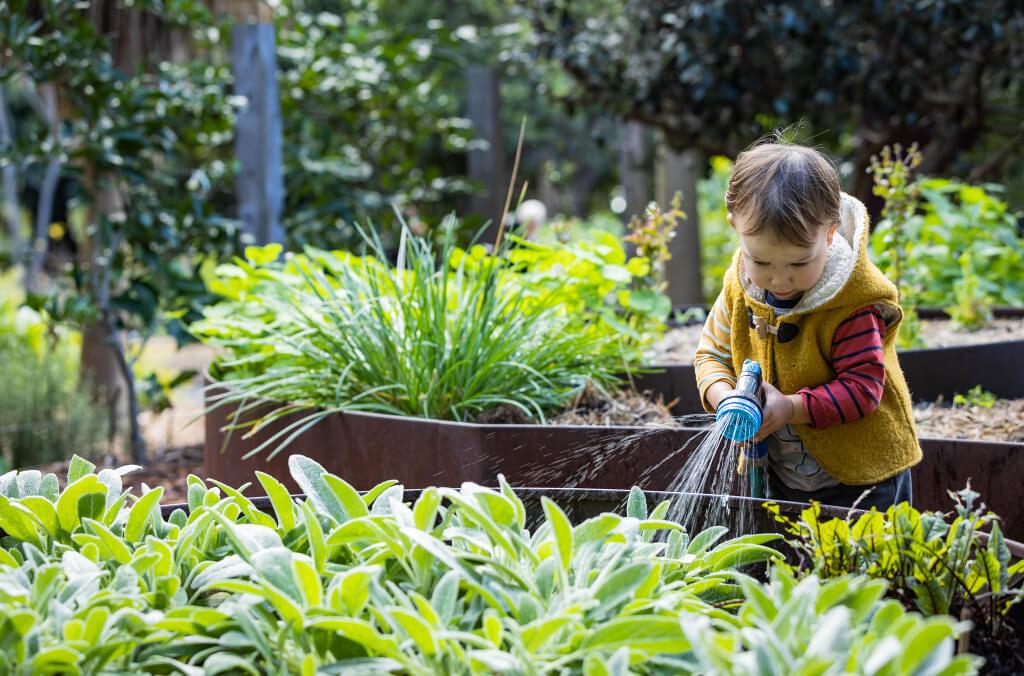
(882,495)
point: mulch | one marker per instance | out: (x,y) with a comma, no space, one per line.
(679,344)
(168,468)
(1003,421)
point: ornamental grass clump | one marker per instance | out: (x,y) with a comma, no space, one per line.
(95,580)
(437,334)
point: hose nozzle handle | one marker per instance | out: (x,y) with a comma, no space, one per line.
(741,409)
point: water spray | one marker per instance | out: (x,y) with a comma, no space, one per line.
(740,412)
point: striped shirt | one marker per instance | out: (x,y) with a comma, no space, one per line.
(859,364)
(856,358)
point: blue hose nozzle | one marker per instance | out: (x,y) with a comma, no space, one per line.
(741,409)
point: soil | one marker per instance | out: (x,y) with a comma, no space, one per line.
(168,468)
(591,407)
(1003,421)
(678,345)
(1003,653)
(624,407)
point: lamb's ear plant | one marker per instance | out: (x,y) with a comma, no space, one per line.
(814,626)
(434,335)
(956,564)
(454,582)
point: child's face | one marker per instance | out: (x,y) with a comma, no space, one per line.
(783,268)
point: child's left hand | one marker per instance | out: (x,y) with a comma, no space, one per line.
(778,411)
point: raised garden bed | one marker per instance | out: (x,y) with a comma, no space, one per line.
(992,358)
(370,448)
(291,578)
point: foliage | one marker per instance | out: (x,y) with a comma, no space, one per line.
(812,626)
(369,121)
(716,74)
(597,283)
(946,243)
(46,412)
(564,230)
(150,145)
(976,396)
(893,235)
(439,334)
(718,239)
(92,579)
(960,567)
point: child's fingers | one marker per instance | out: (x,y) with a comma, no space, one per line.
(770,423)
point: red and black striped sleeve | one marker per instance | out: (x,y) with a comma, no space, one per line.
(860,372)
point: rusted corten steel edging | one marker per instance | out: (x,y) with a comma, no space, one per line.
(367,448)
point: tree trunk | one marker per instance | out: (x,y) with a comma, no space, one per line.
(98,369)
(104,364)
(679,172)
(47,97)
(12,215)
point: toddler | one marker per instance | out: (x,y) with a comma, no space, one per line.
(802,298)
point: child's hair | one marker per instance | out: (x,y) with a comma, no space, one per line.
(790,190)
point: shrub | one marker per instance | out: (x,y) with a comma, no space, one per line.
(946,243)
(94,580)
(597,283)
(45,412)
(718,240)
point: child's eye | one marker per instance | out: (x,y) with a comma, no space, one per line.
(799,265)
(761,263)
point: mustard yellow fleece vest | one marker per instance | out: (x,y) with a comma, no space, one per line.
(862,452)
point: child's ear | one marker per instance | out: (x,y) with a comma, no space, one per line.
(832,232)
(729,217)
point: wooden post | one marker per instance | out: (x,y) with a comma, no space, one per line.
(258,131)
(9,190)
(487,164)
(679,172)
(635,167)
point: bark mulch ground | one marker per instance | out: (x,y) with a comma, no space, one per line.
(1003,421)
(168,468)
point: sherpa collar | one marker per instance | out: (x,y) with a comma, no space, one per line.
(842,258)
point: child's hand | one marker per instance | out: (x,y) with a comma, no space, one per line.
(778,411)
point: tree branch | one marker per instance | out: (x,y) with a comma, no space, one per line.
(996,161)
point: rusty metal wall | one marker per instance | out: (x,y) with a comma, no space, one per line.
(367,448)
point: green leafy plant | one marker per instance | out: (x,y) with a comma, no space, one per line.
(940,566)
(365,105)
(945,243)
(976,396)
(973,307)
(93,579)
(439,334)
(892,173)
(46,410)
(811,626)
(596,281)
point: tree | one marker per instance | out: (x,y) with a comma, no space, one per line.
(715,75)
(141,136)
